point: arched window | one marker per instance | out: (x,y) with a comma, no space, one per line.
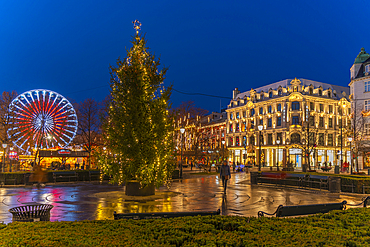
(295,138)
(329,94)
(262,96)
(295,106)
(320,92)
(295,89)
(310,91)
(279,92)
(270,94)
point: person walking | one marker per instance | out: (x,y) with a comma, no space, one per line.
(225,174)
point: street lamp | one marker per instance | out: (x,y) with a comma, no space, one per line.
(223,151)
(277,162)
(4,147)
(260,127)
(182,130)
(350,152)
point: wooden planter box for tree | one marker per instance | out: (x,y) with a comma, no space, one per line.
(133,189)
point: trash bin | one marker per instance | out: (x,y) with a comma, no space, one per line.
(334,184)
(31,213)
(254,177)
(336,169)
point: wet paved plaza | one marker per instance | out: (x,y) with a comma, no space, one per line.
(84,201)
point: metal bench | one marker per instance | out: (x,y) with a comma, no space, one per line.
(273,177)
(322,181)
(284,211)
(64,175)
(94,175)
(158,215)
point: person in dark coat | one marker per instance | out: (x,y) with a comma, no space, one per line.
(225,174)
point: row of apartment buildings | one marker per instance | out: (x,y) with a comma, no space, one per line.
(297,121)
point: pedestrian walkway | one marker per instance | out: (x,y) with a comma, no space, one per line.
(85,201)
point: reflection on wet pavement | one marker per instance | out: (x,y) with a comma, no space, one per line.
(98,202)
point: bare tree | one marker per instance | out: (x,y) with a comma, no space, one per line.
(89,125)
(6,114)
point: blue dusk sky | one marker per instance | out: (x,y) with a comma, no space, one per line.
(210,47)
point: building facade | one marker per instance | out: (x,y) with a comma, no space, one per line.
(360,101)
(302,122)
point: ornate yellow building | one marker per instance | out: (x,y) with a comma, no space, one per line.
(310,119)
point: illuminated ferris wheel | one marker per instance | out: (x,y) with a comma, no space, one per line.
(41,119)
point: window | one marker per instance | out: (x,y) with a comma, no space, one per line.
(330,139)
(244,140)
(231,128)
(231,116)
(312,106)
(244,114)
(270,94)
(312,138)
(367,86)
(321,122)
(295,89)
(279,92)
(279,121)
(330,123)
(252,124)
(270,109)
(329,94)
(321,107)
(295,120)
(312,121)
(269,139)
(339,140)
(237,127)
(340,110)
(279,107)
(367,68)
(251,141)
(340,123)
(295,106)
(261,122)
(261,110)
(252,112)
(231,141)
(310,91)
(321,139)
(320,92)
(279,136)
(367,129)
(245,126)
(330,109)
(296,138)
(237,115)
(261,139)
(262,96)
(367,105)
(237,143)
(269,122)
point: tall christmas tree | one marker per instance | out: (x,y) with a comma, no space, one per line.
(138,129)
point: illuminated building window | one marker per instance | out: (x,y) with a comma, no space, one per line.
(321,122)
(251,140)
(329,94)
(330,139)
(269,122)
(279,121)
(295,120)
(367,68)
(320,92)
(279,107)
(270,109)
(321,139)
(340,123)
(295,106)
(261,110)
(231,141)
(231,128)
(339,140)
(279,92)
(330,122)
(237,127)
(367,129)
(245,126)
(312,121)
(310,91)
(269,139)
(244,140)
(330,109)
(270,94)
(237,141)
(340,110)
(261,122)
(321,107)
(237,115)
(279,136)
(252,124)
(262,96)
(231,116)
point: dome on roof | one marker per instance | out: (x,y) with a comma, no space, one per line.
(362,56)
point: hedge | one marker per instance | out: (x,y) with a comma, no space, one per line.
(337,228)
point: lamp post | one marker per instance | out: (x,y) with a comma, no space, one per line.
(182,130)
(260,127)
(4,147)
(350,152)
(277,162)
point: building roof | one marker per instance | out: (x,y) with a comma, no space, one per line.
(362,56)
(304,82)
